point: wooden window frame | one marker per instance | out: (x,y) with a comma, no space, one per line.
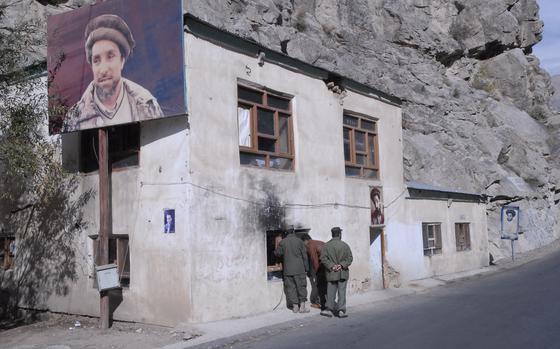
(353,163)
(463,227)
(438,244)
(130,146)
(7,258)
(274,266)
(254,107)
(120,258)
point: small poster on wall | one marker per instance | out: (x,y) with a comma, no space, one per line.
(376,202)
(510,222)
(168,221)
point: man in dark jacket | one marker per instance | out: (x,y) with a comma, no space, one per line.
(295,265)
(336,256)
(316,272)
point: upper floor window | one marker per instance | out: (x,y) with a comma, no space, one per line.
(124,147)
(360,146)
(265,128)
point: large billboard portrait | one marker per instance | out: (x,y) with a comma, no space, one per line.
(510,222)
(115,62)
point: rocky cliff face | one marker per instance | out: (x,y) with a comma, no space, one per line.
(555,100)
(475,111)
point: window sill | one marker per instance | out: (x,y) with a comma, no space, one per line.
(120,169)
(267,168)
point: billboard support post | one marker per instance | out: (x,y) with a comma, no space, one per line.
(104,220)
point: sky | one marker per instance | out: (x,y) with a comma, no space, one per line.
(548,50)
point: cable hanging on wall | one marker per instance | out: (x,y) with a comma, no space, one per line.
(286,205)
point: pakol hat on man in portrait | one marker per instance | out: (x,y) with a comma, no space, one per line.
(110,99)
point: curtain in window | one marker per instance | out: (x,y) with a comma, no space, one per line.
(244,121)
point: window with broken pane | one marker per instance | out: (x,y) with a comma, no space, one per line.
(359,134)
(264,120)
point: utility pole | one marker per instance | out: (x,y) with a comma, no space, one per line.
(104,217)
(104,220)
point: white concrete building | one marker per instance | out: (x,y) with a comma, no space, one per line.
(268,142)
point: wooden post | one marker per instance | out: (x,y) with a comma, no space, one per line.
(383,266)
(104,219)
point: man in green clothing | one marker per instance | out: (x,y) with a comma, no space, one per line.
(336,256)
(295,265)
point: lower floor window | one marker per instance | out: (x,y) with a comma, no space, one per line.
(462,236)
(273,263)
(7,251)
(431,236)
(119,254)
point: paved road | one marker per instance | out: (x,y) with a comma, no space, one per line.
(517,308)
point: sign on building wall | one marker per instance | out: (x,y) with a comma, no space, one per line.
(168,221)
(115,62)
(509,217)
(376,202)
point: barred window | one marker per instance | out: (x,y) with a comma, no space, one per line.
(431,235)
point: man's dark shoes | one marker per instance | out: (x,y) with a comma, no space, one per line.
(342,314)
(326,312)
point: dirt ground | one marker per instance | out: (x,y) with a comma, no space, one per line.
(75,332)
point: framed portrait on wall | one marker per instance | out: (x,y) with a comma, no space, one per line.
(509,217)
(376,204)
(168,221)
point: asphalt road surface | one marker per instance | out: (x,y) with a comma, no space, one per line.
(517,308)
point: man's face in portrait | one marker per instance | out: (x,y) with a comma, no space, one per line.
(168,218)
(509,216)
(376,201)
(107,64)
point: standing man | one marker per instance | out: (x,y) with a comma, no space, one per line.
(295,265)
(110,99)
(336,256)
(316,272)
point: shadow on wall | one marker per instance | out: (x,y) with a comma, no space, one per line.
(45,231)
(271,214)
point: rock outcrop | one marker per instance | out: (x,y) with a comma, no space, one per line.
(476,111)
(555,100)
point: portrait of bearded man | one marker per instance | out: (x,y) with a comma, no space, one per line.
(110,99)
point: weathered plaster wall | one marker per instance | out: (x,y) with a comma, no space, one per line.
(229,240)
(405,247)
(159,290)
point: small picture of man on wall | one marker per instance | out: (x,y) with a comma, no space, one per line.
(169,221)
(110,98)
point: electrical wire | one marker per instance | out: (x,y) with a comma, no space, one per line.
(280,301)
(252,202)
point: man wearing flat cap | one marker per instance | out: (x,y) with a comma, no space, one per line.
(336,256)
(110,99)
